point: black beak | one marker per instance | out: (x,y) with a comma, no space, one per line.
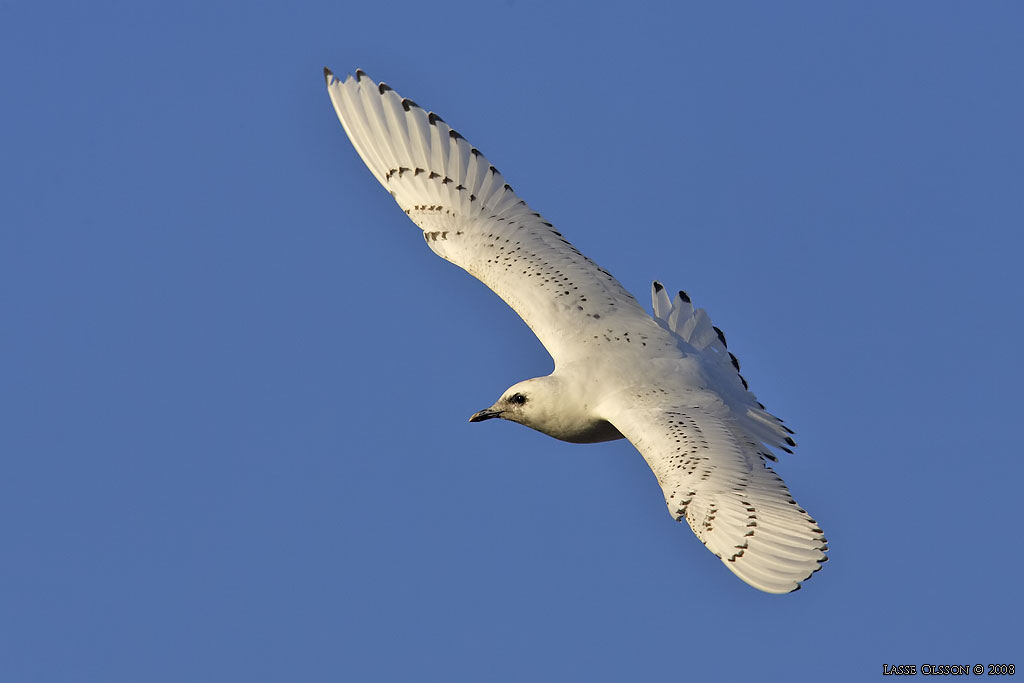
(485,415)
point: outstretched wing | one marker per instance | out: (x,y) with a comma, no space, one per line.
(710,465)
(470,216)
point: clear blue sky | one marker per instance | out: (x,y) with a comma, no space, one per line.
(235,382)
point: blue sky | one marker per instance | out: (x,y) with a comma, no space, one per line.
(236,382)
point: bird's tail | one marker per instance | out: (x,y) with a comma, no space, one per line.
(692,327)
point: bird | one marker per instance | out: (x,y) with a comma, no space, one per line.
(667,382)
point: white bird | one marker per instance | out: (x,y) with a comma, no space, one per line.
(666,383)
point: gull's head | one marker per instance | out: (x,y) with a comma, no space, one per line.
(549,405)
(526,403)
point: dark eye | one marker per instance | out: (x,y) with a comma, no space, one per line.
(518,399)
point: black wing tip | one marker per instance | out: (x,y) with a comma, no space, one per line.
(360,74)
(434,118)
(383,88)
(408,104)
(685,297)
(328,75)
(454,135)
(658,286)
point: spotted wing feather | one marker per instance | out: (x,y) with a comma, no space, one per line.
(713,475)
(471,216)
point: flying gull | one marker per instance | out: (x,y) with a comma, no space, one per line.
(667,383)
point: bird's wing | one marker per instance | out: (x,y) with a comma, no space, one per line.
(709,461)
(470,216)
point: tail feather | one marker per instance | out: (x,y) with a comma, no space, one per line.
(696,334)
(662,304)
